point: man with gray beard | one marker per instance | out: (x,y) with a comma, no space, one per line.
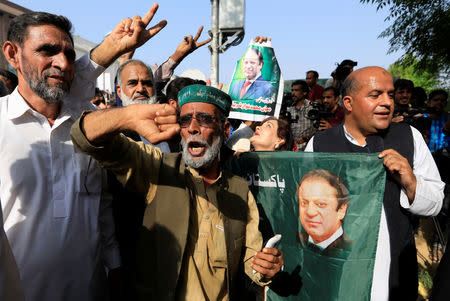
(135,83)
(199,233)
(60,230)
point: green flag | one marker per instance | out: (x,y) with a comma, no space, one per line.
(327,208)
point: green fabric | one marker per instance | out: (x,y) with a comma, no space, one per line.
(273,178)
(206,94)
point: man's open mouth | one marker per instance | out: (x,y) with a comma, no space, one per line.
(196,148)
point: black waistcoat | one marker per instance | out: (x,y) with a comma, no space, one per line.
(403,269)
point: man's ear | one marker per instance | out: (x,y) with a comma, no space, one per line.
(11,51)
(226,130)
(173,103)
(119,91)
(342,211)
(347,101)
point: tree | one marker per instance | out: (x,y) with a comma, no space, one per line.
(409,70)
(421,28)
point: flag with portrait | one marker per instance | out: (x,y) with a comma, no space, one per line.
(327,207)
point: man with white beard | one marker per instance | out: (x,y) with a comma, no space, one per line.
(199,233)
(135,83)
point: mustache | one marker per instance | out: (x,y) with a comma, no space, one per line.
(137,94)
(51,72)
(198,140)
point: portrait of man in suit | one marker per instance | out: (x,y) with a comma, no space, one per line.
(254,85)
(323,202)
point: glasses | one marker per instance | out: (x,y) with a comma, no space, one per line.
(203,119)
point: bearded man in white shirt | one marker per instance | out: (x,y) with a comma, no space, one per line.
(61,234)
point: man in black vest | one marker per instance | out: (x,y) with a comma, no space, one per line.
(413,184)
(200,227)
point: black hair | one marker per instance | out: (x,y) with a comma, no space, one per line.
(335,91)
(258,53)
(315,73)
(348,63)
(9,76)
(334,180)
(418,97)
(177,84)
(403,84)
(18,26)
(305,87)
(438,92)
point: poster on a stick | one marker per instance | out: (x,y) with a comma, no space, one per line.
(256,88)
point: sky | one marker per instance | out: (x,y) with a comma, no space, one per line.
(306,35)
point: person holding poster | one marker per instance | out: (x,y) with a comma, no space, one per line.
(413,185)
(323,201)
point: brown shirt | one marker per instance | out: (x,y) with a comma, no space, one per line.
(203,273)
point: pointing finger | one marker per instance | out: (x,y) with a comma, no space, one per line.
(199,32)
(149,15)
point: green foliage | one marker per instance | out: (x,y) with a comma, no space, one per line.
(425,278)
(421,28)
(407,68)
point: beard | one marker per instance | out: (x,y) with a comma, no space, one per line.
(40,86)
(211,152)
(126,101)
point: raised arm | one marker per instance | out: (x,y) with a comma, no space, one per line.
(128,35)
(155,123)
(188,45)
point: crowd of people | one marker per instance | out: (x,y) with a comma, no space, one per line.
(133,202)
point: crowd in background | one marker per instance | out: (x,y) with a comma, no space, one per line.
(307,109)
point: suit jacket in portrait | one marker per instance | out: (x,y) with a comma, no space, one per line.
(340,244)
(259,88)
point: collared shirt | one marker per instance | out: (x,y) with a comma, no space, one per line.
(203,273)
(303,127)
(427,202)
(58,229)
(324,244)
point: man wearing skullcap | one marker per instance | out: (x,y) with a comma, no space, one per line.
(199,231)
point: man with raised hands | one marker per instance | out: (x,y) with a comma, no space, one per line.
(60,231)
